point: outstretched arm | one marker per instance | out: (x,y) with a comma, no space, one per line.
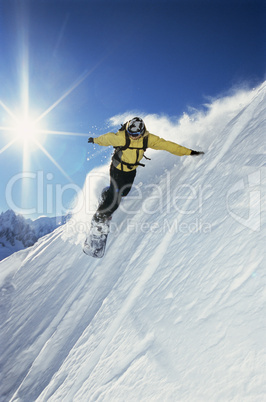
(158,143)
(109,139)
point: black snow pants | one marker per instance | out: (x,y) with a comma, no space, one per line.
(120,185)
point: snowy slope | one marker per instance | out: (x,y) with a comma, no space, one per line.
(44,225)
(176,310)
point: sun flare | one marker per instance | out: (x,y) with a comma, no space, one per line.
(26,130)
(30,132)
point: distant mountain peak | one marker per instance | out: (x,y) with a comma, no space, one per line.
(17,233)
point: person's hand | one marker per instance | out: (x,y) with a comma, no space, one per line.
(90,140)
(195,153)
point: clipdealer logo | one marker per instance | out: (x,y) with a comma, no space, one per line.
(246,195)
(47,197)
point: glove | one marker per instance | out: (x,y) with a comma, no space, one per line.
(197,153)
(91,140)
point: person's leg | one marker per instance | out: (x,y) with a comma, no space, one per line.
(120,185)
(127,182)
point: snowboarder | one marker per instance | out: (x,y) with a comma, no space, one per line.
(130,143)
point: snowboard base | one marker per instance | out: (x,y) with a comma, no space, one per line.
(95,243)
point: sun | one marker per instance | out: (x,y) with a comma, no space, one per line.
(27,130)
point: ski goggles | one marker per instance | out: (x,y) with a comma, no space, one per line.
(135,135)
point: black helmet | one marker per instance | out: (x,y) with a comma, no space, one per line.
(136,128)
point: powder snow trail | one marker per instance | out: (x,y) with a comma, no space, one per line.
(238,124)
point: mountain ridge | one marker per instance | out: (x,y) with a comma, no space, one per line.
(17,232)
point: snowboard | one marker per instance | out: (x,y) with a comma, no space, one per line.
(95,243)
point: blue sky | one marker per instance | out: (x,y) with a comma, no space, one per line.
(72,65)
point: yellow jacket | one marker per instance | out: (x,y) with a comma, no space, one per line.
(131,156)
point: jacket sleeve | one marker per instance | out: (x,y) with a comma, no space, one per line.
(108,139)
(158,143)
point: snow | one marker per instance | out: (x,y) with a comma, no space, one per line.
(176,310)
(17,233)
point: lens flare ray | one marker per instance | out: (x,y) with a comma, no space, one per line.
(8,110)
(53,161)
(73,87)
(70,133)
(6,128)
(68,92)
(8,145)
